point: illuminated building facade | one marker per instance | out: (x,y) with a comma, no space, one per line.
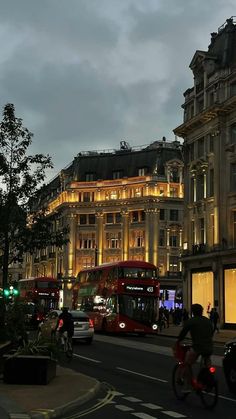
(120,204)
(209,133)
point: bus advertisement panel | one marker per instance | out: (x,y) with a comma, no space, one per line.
(43,292)
(121,296)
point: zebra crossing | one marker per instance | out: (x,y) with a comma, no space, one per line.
(139,408)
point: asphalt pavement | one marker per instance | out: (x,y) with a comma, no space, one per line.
(67,391)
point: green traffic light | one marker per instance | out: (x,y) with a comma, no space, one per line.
(15,291)
(6,292)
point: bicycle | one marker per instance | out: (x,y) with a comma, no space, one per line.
(204,385)
(67,346)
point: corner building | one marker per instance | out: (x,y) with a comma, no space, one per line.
(122,204)
(209,133)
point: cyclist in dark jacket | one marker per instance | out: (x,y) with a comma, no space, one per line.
(66,323)
(201,332)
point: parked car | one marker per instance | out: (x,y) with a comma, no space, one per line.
(83,325)
(229,365)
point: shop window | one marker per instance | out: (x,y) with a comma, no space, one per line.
(230,295)
(233,177)
(202,290)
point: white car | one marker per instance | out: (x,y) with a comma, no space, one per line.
(83,325)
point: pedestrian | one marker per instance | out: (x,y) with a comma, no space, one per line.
(185,315)
(214,317)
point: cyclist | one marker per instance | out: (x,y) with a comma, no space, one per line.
(201,332)
(65,323)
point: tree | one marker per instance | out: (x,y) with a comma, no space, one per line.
(21,176)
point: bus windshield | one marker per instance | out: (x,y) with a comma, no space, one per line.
(135,272)
(139,308)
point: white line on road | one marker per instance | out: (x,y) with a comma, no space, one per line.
(227,398)
(123,408)
(173,414)
(132,399)
(152,406)
(142,375)
(143,415)
(88,359)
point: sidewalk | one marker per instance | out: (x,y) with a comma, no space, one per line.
(65,392)
(222,337)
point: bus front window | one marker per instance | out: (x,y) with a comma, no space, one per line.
(141,309)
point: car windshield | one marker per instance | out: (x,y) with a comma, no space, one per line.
(78,315)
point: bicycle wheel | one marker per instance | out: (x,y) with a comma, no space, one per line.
(178,382)
(209,395)
(68,348)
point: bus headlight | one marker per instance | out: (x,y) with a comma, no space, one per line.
(154,326)
(122,325)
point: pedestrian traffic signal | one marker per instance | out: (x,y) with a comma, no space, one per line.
(10,292)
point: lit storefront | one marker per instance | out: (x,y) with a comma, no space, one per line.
(230,295)
(203,289)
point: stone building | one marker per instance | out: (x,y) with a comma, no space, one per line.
(209,133)
(119,204)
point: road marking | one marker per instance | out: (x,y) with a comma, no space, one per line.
(142,375)
(143,416)
(19,416)
(123,408)
(87,359)
(173,414)
(151,406)
(132,399)
(227,398)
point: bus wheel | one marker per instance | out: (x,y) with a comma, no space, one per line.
(104,326)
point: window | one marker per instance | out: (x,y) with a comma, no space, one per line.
(233,134)
(174,215)
(86,240)
(174,175)
(202,230)
(173,265)
(88,196)
(193,232)
(137,238)
(162,237)
(200,147)
(89,177)
(192,189)
(173,192)
(114,194)
(211,182)
(200,186)
(233,89)
(117,174)
(135,217)
(117,217)
(233,177)
(162,214)
(191,151)
(234,228)
(211,144)
(110,218)
(138,192)
(92,219)
(83,218)
(173,240)
(113,240)
(142,171)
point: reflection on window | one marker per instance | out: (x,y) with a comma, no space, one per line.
(136,273)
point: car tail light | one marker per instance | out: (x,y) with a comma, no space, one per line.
(60,323)
(212,370)
(90,323)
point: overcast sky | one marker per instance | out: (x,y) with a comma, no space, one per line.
(86,74)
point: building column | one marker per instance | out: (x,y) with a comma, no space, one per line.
(70,262)
(152,235)
(125,234)
(99,238)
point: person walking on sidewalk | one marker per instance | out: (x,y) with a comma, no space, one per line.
(214,318)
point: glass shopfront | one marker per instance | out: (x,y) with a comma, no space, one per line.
(203,290)
(230,295)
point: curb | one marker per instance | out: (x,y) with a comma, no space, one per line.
(66,408)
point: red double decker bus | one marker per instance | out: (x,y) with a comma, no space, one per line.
(43,292)
(121,296)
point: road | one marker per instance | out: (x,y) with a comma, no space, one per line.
(136,377)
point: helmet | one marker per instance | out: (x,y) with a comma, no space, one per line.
(197,309)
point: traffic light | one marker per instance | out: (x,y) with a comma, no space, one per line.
(6,293)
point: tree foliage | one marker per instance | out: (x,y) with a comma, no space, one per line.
(21,176)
